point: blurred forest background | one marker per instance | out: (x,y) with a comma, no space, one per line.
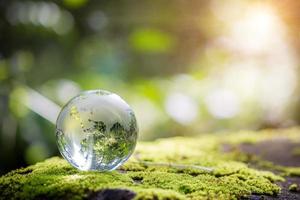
(185,67)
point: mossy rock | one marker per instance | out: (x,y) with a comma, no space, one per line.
(164,169)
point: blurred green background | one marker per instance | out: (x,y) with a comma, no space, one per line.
(185,67)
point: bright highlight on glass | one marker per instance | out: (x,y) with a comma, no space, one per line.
(96,130)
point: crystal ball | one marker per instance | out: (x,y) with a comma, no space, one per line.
(96,130)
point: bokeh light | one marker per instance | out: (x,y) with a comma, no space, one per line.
(185,68)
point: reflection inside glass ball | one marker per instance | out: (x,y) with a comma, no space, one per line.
(96,130)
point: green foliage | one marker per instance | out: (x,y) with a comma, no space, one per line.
(109,144)
(75,3)
(151,41)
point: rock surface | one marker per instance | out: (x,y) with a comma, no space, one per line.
(242,165)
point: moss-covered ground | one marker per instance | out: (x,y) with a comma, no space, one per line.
(164,169)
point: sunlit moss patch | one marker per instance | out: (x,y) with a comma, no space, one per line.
(175,168)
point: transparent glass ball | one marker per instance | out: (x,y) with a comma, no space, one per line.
(96,130)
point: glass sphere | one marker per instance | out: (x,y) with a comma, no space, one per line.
(96,130)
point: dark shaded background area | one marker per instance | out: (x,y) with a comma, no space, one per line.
(186,67)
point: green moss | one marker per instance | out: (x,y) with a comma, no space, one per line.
(293,187)
(230,177)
